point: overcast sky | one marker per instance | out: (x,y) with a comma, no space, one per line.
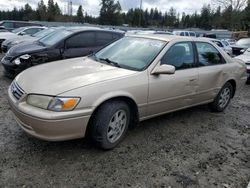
(92,7)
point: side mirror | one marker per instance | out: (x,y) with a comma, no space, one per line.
(22,33)
(242,51)
(163,69)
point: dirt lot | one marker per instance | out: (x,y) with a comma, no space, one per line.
(190,148)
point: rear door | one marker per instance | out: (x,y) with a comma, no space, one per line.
(78,45)
(174,91)
(212,71)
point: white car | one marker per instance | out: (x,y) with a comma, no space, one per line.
(185,33)
(19,32)
(223,44)
(246,58)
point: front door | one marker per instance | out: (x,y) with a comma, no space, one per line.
(174,91)
(81,44)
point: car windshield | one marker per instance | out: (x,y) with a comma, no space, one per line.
(132,53)
(243,42)
(54,37)
(43,33)
(247,52)
(225,43)
(17,30)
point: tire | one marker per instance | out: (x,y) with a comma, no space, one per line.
(222,99)
(110,124)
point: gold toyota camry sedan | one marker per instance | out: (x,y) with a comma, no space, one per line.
(130,80)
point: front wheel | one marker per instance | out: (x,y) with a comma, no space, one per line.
(110,124)
(223,98)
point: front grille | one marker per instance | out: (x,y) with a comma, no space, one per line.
(16,91)
(8,58)
(237,51)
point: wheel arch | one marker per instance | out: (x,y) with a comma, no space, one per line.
(233,83)
(134,112)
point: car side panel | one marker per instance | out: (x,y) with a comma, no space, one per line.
(171,92)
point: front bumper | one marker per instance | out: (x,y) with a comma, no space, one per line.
(4,48)
(11,69)
(51,126)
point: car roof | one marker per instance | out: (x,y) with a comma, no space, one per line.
(82,28)
(169,38)
(166,38)
(211,39)
(33,26)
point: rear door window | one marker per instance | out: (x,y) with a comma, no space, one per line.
(81,40)
(19,24)
(8,25)
(218,43)
(192,34)
(208,55)
(32,31)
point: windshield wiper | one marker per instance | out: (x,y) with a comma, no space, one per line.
(107,60)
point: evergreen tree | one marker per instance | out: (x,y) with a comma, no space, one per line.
(79,15)
(41,11)
(110,12)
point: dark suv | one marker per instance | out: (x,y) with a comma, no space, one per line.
(10,25)
(61,44)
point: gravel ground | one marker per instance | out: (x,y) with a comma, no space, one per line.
(189,148)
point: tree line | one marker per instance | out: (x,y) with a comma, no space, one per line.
(223,17)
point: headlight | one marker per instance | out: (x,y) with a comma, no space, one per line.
(25,56)
(57,104)
(40,101)
(17,61)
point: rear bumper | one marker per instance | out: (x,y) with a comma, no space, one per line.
(49,129)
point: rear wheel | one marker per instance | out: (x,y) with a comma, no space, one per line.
(110,124)
(223,98)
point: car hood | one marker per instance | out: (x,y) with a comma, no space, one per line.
(244,57)
(239,46)
(17,39)
(26,47)
(7,35)
(62,76)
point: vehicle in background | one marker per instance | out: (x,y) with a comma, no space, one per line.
(185,33)
(239,35)
(10,25)
(61,44)
(246,58)
(230,41)
(130,80)
(224,45)
(154,32)
(208,35)
(19,32)
(240,46)
(7,44)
